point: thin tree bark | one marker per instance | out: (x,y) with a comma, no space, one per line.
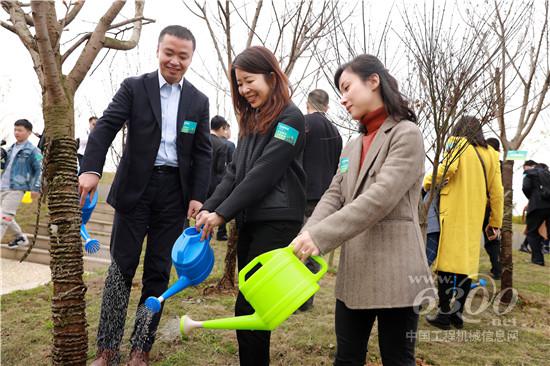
(506,259)
(227,281)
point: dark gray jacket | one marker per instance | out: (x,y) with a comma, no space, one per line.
(266,180)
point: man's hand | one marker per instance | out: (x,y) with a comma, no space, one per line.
(194,207)
(304,247)
(87,184)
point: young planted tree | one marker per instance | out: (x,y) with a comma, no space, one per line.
(293,34)
(446,65)
(40,31)
(521,78)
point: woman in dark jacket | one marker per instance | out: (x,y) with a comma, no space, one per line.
(264,186)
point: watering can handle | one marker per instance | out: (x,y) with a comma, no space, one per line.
(322,263)
(259,259)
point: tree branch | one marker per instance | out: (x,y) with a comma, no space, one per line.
(72,13)
(213,36)
(252,29)
(52,71)
(94,45)
(8,26)
(67,53)
(17,17)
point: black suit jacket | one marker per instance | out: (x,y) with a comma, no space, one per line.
(219,161)
(531,183)
(321,154)
(137,103)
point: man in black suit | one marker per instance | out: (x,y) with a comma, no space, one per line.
(322,150)
(220,159)
(162,176)
(321,154)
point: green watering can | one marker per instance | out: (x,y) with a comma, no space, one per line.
(276,290)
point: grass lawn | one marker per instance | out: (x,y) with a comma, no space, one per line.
(520,337)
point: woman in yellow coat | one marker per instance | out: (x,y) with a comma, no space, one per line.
(471,170)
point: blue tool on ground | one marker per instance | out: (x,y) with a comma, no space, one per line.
(91,246)
(193,260)
(482,283)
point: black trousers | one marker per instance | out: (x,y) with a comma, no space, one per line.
(451,285)
(492,247)
(160,215)
(534,220)
(396,335)
(256,238)
(310,263)
(222,231)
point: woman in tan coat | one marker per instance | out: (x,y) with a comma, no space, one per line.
(371,210)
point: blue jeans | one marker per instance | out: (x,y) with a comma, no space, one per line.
(432,246)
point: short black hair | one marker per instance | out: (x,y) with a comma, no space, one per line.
(530,163)
(494,143)
(178,31)
(91,118)
(218,122)
(24,123)
(542,166)
(318,99)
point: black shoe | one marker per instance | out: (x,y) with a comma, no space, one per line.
(308,305)
(457,321)
(19,241)
(441,321)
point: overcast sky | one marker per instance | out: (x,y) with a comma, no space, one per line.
(20,95)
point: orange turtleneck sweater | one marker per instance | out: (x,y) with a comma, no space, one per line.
(372,122)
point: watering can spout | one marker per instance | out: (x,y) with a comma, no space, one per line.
(153,303)
(245,322)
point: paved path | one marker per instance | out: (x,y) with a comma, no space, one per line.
(22,276)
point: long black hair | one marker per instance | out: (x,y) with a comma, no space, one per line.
(395,103)
(469,127)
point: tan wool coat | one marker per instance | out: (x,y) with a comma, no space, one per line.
(372,212)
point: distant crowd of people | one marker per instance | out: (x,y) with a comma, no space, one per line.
(290,180)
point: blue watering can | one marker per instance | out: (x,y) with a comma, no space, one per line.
(193,260)
(91,246)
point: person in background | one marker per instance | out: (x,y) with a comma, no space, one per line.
(472,174)
(220,159)
(264,186)
(371,210)
(321,154)
(229,143)
(528,164)
(492,247)
(544,229)
(536,187)
(433,229)
(22,173)
(4,154)
(82,141)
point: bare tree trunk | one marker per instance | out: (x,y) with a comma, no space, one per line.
(227,281)
(68,302)
(506,242)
